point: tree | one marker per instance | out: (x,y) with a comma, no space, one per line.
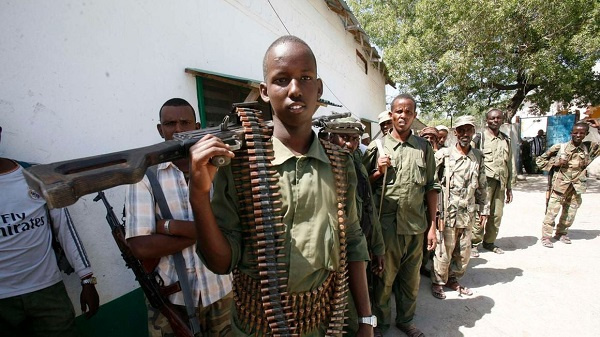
(459,54)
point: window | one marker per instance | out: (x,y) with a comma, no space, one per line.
(217,92)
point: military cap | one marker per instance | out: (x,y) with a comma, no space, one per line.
(344,125)
(384,117)
(430,130)
(464,120)
(442,127)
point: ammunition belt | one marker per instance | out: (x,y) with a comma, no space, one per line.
(263,305)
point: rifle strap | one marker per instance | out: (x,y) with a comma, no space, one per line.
(161,201)
(448,171)
(381,152)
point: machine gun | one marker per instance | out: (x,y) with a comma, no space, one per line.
(150,281)
(63,183)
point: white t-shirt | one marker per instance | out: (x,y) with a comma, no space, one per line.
(27,260)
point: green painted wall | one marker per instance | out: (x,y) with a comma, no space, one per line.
(124,316)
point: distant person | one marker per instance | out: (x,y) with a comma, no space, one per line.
(154,235)
(442,135)
(463,171)
(432,135)
(385,122)
(538,146)
(497,154)
(33,298)
(365,140)
(570,161)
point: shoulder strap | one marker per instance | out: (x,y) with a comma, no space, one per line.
(157,191)
(180,268)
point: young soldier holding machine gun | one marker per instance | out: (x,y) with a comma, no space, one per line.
(285,205)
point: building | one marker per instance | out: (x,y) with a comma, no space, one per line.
(87,78)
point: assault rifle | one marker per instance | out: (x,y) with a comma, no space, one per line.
(63,183)
(150,281)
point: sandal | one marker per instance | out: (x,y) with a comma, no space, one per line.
(547,243)
(454,285)
(377,332)
(563,238)
(438,291)
(474,251)
(493,248)
(411,330)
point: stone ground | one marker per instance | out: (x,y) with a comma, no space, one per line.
(530,290)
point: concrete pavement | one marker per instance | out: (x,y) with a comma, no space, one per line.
(530,290)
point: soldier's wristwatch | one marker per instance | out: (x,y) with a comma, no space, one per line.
(91,280)
(371,320)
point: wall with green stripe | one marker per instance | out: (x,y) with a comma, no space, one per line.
(124,316)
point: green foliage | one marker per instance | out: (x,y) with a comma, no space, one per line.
(472,54)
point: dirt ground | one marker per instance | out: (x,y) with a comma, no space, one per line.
(530,290)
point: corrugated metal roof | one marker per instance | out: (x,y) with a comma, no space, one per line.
(352,25)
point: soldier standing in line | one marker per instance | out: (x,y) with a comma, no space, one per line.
(385,122)
(432,136)
(404,173)
(345,132)
(569,181)
(497,155)
(465,182)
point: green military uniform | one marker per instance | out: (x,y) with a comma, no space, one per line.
(374,239)
(403,222)
(467,195)
(498,169)
(309,208)
(568,183)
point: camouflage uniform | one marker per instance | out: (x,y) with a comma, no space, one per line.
(568,183)
(467,190)
(498,169)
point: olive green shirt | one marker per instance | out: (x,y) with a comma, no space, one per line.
(574,172)
(467,188)
(375,243)
(497,155)
(309,209)
(410,177)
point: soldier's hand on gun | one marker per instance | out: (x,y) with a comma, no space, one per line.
(483,220)
(378,264)
(593,122)
(382,163)
(202,171)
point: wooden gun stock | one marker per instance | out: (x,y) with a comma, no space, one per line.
(63,183)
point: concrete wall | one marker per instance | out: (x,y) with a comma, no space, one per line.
(81,78)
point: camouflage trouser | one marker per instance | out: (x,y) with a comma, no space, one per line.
(495,194)
(455,255)
(570,202)
(215,319)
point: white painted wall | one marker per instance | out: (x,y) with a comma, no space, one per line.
(81,78)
